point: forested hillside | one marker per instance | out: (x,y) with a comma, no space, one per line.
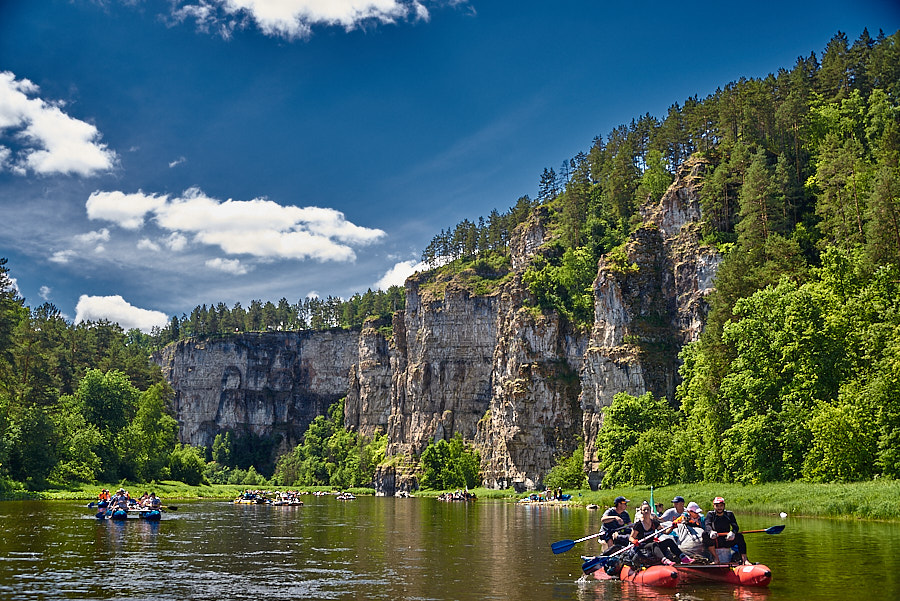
(797,374)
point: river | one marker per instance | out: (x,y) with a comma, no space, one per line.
(396,549)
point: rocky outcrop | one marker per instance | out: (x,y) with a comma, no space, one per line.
(647,305)
(533,417)
(520,385)
(265,384)
(368,403)
(442,382)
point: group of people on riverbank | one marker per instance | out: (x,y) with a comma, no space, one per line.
(680,534)
(457,495)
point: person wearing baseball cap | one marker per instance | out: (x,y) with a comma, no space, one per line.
(724,532)
(614,519)
(673,512)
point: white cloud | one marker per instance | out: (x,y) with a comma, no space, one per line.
(313,294)
(44,292)
(116,309)
(176,162)
(62,256)
(259,227)
(176,242)
(125,210)
(397,274)
(294,19)
(101,235)
(148,244)
(52,141)
(12,287)
(232,266)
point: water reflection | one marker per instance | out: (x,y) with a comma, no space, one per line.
(393,549)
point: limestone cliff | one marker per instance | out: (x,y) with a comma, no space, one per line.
(647,306)
(265,384)
(520,385)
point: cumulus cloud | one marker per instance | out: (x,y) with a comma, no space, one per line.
(294,19)
(118,310)
(44,292)
(148,244)
(176,242)
(125,210)
(48,141)
(101,235)
(227,265)
(397,274)
(62,256)
(259,227)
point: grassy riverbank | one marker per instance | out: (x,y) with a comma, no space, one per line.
(874,500)
(166,490)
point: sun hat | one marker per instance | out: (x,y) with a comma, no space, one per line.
(694,507)
(718,500)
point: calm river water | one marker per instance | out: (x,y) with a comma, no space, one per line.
(386,548)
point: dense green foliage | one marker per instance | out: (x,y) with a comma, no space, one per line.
(307,314)
(448,465)
(795,375)
(569,472)
(330,455)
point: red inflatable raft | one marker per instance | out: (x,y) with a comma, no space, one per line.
(664,576)
(749,575)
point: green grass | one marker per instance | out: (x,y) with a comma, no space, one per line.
(873,500)
(167,490)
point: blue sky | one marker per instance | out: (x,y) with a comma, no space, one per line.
(157,155)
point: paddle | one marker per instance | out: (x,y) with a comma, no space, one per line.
(769,530)
(564,545)
(595,563)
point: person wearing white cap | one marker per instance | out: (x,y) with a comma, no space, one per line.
(724,531)
(692,537)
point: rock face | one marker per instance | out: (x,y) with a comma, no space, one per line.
(520,386)
(533,416)
(265,384)
(646,309)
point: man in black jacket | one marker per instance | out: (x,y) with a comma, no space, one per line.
(723,528)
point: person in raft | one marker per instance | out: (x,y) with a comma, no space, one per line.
(154,502)
(120,501)
(693,539)
(664,549)
(723,529)
(612,520)
(673,512)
